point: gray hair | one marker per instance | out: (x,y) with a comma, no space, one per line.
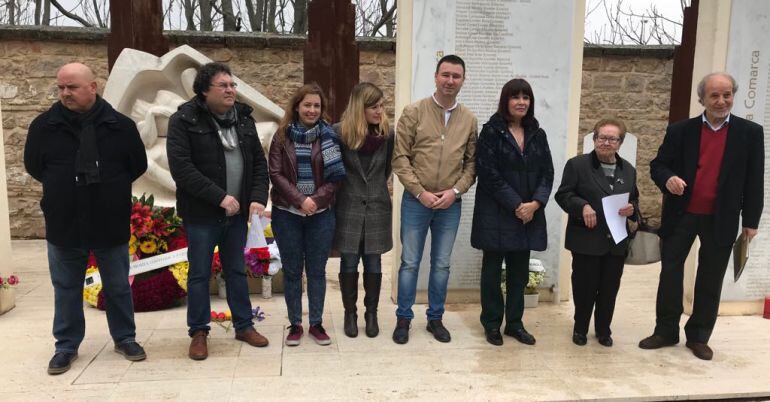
(705,79)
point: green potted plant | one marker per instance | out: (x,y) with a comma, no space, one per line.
(536,277)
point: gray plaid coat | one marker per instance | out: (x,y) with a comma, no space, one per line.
(364,207)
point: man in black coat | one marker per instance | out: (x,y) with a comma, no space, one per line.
(220,171)
(711,170)
(86,155)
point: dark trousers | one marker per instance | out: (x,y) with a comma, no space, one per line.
(595,282)
(712,263)
(516,278)
(230,236)
(68,270)
(349,261)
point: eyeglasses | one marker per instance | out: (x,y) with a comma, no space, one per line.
(609,140)
(223,85)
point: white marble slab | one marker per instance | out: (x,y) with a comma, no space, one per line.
(748,60)
(499,40)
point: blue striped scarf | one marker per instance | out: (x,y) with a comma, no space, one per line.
(303,138)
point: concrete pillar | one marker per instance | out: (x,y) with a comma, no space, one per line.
(7,296)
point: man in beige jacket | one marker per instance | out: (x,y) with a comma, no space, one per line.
(434,159)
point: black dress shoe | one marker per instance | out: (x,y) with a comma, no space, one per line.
(401,333)
(436,327)
(700,350)
(521,335)
(61,362)
(131,351)
(655,341)
(605,340)
(494,337)
(579,339)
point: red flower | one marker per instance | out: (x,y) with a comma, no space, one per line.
(177,242)
(160,227)
(1,281)
(91,260)
(263,254)
(12,280)
(216,265)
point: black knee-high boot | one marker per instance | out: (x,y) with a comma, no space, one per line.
(372,284)
(349,291)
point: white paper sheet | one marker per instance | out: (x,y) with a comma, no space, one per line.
(617,223)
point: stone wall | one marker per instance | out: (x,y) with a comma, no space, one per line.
(629,83)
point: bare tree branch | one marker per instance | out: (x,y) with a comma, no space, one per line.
(46,12)
(98,17)
(205,12)
(387,16)
(189,14)
(70,15)
(38,11)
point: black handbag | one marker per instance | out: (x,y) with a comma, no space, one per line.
(644,247)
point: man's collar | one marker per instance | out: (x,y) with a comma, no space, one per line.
(707,122)
(433,96)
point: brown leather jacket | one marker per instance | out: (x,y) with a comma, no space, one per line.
(282,163)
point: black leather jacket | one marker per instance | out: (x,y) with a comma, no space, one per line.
(196,159)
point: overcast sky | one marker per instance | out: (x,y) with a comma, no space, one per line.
(597,16)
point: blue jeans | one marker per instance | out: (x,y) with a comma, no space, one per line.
(230,235)
(416,219)
(68,270)
(304,241)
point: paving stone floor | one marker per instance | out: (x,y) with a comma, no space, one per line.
(466,369)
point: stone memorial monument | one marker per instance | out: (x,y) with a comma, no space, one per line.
(731,37)
(149,89)
(540,41)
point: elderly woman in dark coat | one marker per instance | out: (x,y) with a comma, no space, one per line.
(363,203)
(515,176)
(597,261)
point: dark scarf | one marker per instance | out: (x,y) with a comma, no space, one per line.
(223,123)
(372,141)
(84,127)
(334,169)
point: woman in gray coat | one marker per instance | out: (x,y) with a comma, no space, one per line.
(597,261)
(363,229)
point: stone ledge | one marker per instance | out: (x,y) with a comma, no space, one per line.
(257,40)
(43,33)
(656,51)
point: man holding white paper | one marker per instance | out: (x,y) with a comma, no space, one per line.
(598,192)
(220,170)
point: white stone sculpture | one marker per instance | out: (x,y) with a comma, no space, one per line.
(149,89)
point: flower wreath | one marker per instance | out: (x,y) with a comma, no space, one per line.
(158,230)
(154,230)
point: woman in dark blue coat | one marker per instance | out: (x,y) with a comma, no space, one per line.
(515,176)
